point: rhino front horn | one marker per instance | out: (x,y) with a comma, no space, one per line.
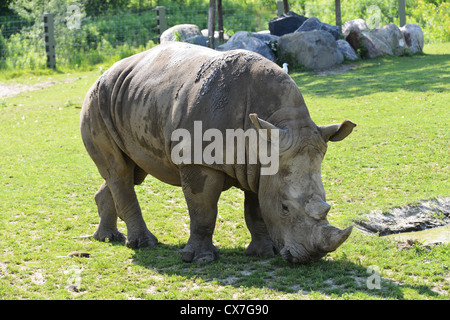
(333,237)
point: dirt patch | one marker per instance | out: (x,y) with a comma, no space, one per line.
(425,215)
(8,90)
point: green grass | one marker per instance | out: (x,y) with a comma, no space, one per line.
(397,155)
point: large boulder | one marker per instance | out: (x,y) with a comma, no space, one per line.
(180,32)
(265,36)
(353,25)
(315,24)
(315,49)
(413,37)
(202,41)
(387,40)
(367,45)
(285,24)
(347,50)
(205,32)
(245,40)
(393,37)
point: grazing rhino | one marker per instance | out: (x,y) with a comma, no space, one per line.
(127,123)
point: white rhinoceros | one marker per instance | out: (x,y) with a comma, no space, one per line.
(128,121)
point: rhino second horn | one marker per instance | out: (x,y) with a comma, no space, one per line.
(317,209)
(333,237)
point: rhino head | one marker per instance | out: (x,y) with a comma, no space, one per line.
(292,201)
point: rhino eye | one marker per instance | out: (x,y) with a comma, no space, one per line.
(284,208)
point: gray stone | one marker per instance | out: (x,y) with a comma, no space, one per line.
(315,49)
(185,31)
(266,37)
(377,42)
(243,41)
(347,50)
(202,41)
(413,37)
(285,24)
(315,24)
(205,32)
(353,25)
(391,35)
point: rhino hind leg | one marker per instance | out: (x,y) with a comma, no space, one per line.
(107,228)
(202,187)
(119,172)
(261,244)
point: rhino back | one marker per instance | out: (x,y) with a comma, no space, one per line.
(144,98)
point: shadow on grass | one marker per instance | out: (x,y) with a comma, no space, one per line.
(234,268)
(389,74)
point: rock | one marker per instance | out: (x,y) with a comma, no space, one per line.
(413,37)
(315,49)
(243,41)
(261,36)
(205,32)
(315,24)
(240,35)
(185,31)
(384,40)
(287,23)
(391,35)
(353,25)
(378,42)
(369,45)
(266,37)
(202,41)
(425,215)
(347,50)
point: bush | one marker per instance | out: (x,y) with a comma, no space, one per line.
(121,29)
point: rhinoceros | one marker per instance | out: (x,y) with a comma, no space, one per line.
(127,122)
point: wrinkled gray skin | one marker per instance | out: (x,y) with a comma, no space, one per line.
(129,115)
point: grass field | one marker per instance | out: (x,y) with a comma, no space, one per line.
(397,155)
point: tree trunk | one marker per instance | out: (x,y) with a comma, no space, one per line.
(337,6)
(286,6)
(211,22)
(220,20)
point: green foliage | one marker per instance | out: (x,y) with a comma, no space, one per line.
(433,17)
(112,29)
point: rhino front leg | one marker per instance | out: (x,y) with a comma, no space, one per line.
(261,244)
(107,228)
(202,187)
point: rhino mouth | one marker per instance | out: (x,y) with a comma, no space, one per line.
(300,255)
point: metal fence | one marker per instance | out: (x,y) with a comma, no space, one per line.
(86,40)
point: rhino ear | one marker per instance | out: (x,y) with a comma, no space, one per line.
(284,136)
(261,124)
(337,132)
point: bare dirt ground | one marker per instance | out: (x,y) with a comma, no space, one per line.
(11,89)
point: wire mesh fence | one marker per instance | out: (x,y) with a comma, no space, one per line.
(86,40)
(82,39)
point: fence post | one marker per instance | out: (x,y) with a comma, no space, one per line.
(402,12)
(211,22)
(280,8)
(220,20)
(285,6)
(49,36)
(161,19)
(337,8)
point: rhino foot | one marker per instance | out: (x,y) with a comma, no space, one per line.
(190,254)
(261,249)
(111,235)
(142,240)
